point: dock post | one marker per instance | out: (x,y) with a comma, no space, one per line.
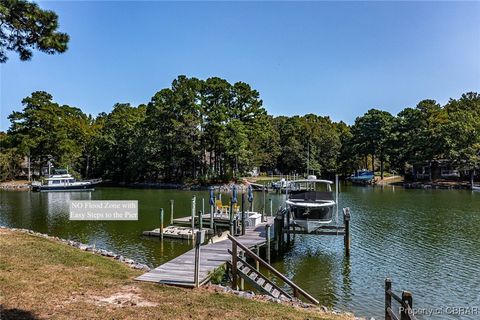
(346,220)
(200,222)
(288,228)
(193,216)
(271,207)
(243,214)
(203,207)
(406,298)
(242,282)
(171,211)
(198,237)
(231,218)
(388,298)
(161,224)
(234,266)
(267,234)
(211,217)
(257,252)
(277,234)
(264,204)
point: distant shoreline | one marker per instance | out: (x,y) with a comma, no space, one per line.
(24,185)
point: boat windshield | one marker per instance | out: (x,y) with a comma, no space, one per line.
(319,213)
(309,186)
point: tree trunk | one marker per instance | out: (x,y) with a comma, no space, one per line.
(472,177)
(373,163)
(381,167)
(430,173)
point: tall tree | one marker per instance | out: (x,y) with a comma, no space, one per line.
(45,130)
(24,26)
(463,131)
(371,133)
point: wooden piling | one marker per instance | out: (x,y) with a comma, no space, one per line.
(267,234)
(388,298)
(231,218)
(171,211)
(243,214)
(288,228)
(203,205)
(346,220)
(200,220)
(211,216)
(161,224)
(193,216)
(197,259)
(234,266)
(277,234)
(264,204)
(242,282)
(406,298)
(257,252)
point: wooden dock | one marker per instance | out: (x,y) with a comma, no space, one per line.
(180,271)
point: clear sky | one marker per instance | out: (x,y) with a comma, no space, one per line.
(330,58)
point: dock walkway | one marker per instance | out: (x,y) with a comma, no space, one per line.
(180,270)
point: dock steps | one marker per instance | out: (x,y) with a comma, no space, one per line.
(259,281)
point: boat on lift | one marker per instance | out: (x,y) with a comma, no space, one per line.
(363,176)
(61,180)
(311,203)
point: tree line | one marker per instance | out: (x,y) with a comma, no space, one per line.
(212,130)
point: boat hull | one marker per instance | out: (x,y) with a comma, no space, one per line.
(318,214)
(90,186)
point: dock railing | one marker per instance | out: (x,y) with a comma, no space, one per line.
(297,291)
(405,301)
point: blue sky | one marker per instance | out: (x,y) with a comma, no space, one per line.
(330,58)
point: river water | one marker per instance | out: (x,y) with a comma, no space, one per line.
(426,241)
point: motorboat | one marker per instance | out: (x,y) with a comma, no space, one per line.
(311,203)
(363,176)
(61,180)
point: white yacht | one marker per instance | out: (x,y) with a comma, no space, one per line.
(311,203)
(61,180)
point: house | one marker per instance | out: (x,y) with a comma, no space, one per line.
(440,169)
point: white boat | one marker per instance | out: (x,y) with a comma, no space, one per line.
(61,180)
(311,203)
(475,188)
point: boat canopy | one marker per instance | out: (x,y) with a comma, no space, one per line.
(312,180)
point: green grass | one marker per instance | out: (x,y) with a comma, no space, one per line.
(41,278)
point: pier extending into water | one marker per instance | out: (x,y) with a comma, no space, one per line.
(181,270)
(196,266)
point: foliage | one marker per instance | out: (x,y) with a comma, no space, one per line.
(25,26)
(217,275)
(207,130)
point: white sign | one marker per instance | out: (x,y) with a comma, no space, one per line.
(98,210)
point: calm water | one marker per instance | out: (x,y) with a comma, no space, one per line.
(427,241)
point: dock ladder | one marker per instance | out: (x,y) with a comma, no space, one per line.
(243,270)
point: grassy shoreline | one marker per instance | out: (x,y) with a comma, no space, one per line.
(43,279)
